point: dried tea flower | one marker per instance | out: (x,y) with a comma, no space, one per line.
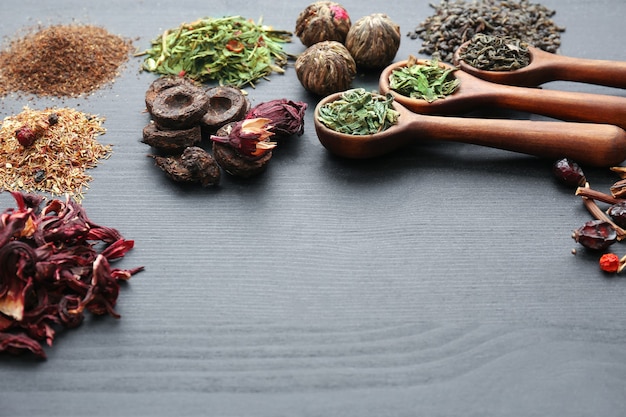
(325,68)
(596,235)
(195,165)
(322,21)
(373,41)
(233,162)
(250,137)
(424,81)
(286,116)
(231,50)
(55,264)
(358,112)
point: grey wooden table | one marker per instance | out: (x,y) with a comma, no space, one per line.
(435,281)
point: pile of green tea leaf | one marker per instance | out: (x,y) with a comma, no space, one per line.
(231,50)
(423,81)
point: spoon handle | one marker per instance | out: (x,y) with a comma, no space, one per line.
(563,105)
(593,71)
(588,144)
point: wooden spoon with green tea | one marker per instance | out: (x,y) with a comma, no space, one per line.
(545,67)
(474,93)
(587,143)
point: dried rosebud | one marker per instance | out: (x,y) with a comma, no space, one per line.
(373,41)
(250,137)
(287,117)
(596,235)
(322,21)
(25,136)
(325,68)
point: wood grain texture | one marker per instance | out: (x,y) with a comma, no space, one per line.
(437,280)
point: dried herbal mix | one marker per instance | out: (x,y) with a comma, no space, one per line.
(231,50)
(50,150)
(62,61)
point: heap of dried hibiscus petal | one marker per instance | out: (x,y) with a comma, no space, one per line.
(54,266)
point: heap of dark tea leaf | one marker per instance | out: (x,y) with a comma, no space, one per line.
(231,50)
(496,53)
(454,22)
(425,80)
(359,112)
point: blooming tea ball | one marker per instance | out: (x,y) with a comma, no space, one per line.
(325,68)
(322,21)
(373,41)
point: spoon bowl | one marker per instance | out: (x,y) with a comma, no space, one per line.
(545,67)
(474,93)
(588,144)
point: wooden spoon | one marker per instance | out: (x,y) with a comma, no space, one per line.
(474,93)
(545,67)
(588,144)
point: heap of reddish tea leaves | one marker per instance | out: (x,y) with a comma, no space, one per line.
(62,61)
(54,266)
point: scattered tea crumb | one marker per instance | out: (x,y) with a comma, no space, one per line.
(62,61)
(56,162)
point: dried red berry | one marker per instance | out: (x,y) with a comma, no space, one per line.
(618,213)
(25,136)
(596,235)
(609,262)
(569,173)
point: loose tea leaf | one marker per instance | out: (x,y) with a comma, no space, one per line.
(359,112)
(428,81)
(57,160)
(231,50)
(62,61)
(455,22)
(496,53)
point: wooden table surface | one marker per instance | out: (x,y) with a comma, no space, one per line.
(434,281)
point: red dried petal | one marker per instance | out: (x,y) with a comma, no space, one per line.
(20,343)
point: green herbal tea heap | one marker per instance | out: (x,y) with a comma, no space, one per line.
(231,50)
(424,81)
(495,53)
(359,112)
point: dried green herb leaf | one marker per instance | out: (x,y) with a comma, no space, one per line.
(358,112)
(427,81)
(231,50)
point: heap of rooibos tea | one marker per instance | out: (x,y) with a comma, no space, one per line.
(455,22)
(62,61)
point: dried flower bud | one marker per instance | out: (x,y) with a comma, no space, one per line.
(250,137)
(373,41)
(596,235)
(322,21)
(25,136)
(326,68)
(287,117)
